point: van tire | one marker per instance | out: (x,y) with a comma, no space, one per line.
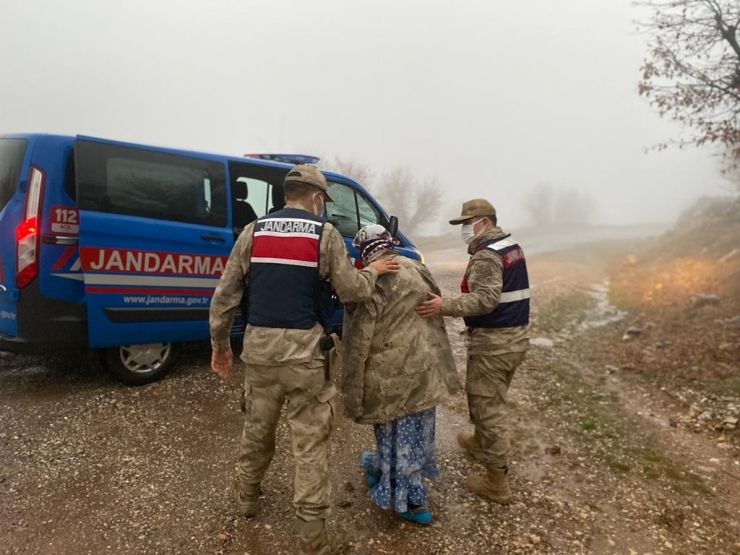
(141,364)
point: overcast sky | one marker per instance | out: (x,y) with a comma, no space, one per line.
(490,96)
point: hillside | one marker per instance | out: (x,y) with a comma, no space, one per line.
(682,294)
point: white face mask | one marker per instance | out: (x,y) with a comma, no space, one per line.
(467,233)
(318,207)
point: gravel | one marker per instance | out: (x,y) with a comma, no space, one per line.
(89,466)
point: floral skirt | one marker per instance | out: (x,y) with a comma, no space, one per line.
(404,455)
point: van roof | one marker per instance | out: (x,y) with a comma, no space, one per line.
(183,152)
(266,161)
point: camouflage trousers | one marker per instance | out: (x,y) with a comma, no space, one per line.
(487,384)
(310,413)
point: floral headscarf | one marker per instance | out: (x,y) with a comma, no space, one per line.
(372,239)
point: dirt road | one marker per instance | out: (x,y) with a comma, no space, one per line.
(87,466)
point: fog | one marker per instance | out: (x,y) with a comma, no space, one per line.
(492,97)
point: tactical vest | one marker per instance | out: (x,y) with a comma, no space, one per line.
(513,308)
(285,289)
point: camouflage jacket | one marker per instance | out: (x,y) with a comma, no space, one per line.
(395,363)
(278,346)
(485,280)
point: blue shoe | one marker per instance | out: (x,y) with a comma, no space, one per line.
(419,515)
(371,480)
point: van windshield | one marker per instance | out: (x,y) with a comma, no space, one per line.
(11,162)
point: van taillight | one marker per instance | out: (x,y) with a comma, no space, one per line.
(27,233)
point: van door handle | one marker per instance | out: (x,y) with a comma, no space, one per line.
(59,239)
(213,237)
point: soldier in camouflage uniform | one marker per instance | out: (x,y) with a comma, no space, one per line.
(280,260)
(495,305)
(396,368)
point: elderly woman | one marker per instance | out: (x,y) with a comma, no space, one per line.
(396,368)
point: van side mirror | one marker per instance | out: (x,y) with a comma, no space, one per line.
(393,226)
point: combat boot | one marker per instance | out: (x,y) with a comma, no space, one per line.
(316,541)
(247,498)
(470,443)
(493,485)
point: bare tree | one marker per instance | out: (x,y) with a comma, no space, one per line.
(539,203)
(573,207)
(415,201)
(362,173)
(549,206)
(731,171)
(692,74)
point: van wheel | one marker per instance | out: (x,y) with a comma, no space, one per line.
(141,364)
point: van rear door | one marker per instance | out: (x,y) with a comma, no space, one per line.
(154,237)
(12,211)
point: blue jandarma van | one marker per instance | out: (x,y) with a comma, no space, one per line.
(118,247)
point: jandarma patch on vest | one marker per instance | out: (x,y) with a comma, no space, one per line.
(284,225)
(517,255)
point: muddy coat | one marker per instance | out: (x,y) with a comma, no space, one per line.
(395,363)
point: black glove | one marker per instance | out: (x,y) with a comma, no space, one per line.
(326,343)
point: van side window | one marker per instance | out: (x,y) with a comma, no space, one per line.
(12,152)
(151,184)
(252,192)
(350,210)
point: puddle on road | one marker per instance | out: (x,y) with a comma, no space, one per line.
(603,313)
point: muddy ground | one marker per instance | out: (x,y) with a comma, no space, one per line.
(605,460)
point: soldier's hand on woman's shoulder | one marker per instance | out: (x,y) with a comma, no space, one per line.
(221,363)
(430,307)
(385,266)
